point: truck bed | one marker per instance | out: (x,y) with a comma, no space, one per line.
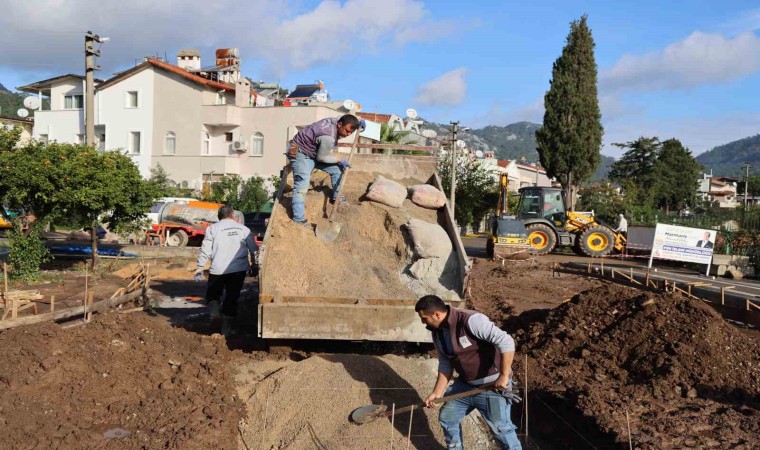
(358,287)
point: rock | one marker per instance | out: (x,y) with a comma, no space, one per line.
(585,353)
(691,393)
(734,273)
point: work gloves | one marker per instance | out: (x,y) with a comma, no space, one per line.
(344,164)
(198,274)
(362,125)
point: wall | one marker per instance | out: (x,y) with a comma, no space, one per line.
(119,121)
(59,90)
(62,125)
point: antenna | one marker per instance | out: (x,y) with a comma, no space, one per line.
(349,104)
(32,102)
(461,144)
(22,113)
(479,153)
(411,113)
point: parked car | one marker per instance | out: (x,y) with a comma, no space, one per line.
(257,222)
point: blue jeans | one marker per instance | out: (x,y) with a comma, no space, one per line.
(302,167)
(492,406)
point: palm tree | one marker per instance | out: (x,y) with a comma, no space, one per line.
(390,136)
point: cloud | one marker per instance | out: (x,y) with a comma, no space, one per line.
(701,58)
(744,21)
(698,134)
(47,35)
(449,89)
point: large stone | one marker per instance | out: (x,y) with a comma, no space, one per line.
(733,272)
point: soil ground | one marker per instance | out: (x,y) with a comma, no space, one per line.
(165,379)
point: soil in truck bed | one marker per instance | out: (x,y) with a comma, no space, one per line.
(369,259)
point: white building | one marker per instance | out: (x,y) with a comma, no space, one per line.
(196,128)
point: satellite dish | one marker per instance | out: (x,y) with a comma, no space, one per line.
(322,97)
(461,144)
(22,112)
(411,113)
(479,153)
(348,104)
(32,102)
(430,134)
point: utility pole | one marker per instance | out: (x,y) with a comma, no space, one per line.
(89,70)
(454,150)
(746,167)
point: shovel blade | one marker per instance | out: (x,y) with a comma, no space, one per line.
(368,413)
(328,231)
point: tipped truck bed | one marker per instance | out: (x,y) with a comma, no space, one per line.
(358,316)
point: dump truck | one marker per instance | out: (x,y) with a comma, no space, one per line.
(362,286)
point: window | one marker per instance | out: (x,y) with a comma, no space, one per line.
(257,144)
(73,102)
(228,137)
(205,144)
(132,100)
(134,142)
(170,143)
(44,138)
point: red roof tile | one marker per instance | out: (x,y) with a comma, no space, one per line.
(190,76)
(502,162)
(375,117)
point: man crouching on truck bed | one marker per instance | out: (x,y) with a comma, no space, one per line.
(310,149)
(470,344)
(227,244)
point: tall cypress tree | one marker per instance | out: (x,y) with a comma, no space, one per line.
(570,139)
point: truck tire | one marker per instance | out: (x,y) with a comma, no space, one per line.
(177,239)
(542,238)
(596,240)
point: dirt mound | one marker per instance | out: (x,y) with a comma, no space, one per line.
(307,405)
(686,377)
(501,290)
(372,247)
(122,381)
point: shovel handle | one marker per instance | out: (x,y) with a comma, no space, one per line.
(477,390)
(343,177)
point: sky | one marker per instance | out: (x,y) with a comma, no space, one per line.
(688,69)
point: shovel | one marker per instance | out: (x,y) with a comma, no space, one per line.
(370,413)
(328,230)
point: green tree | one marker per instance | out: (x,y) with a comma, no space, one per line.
(604,200)
(676,175)
(753,187)
(75,183)
(570,139)
(635,169)
(476,192)
(165,186)
(244,195)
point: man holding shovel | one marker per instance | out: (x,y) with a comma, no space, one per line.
(470,344)
(310,149)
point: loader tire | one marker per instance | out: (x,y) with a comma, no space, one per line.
(542,238)
(596,241)
(178,239)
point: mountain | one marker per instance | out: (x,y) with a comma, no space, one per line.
(727,160)
(3,88)
(511,141)
(10,103)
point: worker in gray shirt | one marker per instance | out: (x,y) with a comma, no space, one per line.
(469,344)
(227,245)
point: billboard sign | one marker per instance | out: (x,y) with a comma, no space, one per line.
(683,244)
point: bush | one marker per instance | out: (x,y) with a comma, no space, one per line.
(27,253)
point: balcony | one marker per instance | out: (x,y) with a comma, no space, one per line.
(221,115)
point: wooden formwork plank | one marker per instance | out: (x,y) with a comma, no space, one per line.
(341,322)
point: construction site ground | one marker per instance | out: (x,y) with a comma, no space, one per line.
(605,364)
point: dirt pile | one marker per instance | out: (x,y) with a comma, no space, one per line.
(123,381)
(372,247)
(307,405)
(687,378)
(499,291)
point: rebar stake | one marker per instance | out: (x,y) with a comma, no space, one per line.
(409,434)
(393,421)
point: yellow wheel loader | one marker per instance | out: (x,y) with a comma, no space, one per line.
(508,239)
(550,225)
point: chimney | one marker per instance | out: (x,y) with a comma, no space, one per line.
(189,59)
(242,92)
